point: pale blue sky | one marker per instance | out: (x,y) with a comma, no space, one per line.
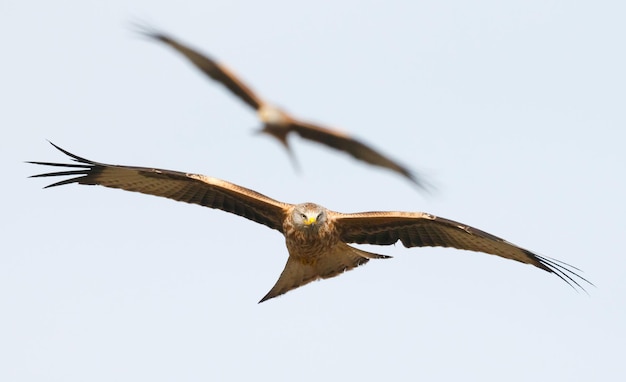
(515,110)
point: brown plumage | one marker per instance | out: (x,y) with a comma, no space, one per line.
(316,237)
(277,122)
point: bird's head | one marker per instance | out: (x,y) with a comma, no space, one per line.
(308,216)
(271,115)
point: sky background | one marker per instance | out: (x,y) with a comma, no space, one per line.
(514,110)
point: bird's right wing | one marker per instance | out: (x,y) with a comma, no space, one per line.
(190,188)
(208,66)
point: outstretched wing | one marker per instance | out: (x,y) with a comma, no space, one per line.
(190,188)
(355,148)
(418,229)
(208,66)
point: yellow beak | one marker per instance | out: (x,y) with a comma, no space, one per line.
(311,220)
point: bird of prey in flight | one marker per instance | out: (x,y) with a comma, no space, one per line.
(316,238)
(277,122)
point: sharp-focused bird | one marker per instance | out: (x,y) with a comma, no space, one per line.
(277,122)
(316,237)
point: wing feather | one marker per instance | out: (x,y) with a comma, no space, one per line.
(353,147)
(208,66)
(418,229)
(190,188)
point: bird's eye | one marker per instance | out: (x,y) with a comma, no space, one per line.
(319,216)
(303,216)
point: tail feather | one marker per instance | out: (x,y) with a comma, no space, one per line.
(333,263)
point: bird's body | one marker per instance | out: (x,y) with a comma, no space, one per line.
(316,238)
(277,122)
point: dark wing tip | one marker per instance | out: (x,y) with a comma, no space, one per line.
(566,272)
(82,171)
(143,28)
(74,157)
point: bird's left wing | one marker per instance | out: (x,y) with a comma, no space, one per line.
(419,229)
(190,188)
(361,151)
